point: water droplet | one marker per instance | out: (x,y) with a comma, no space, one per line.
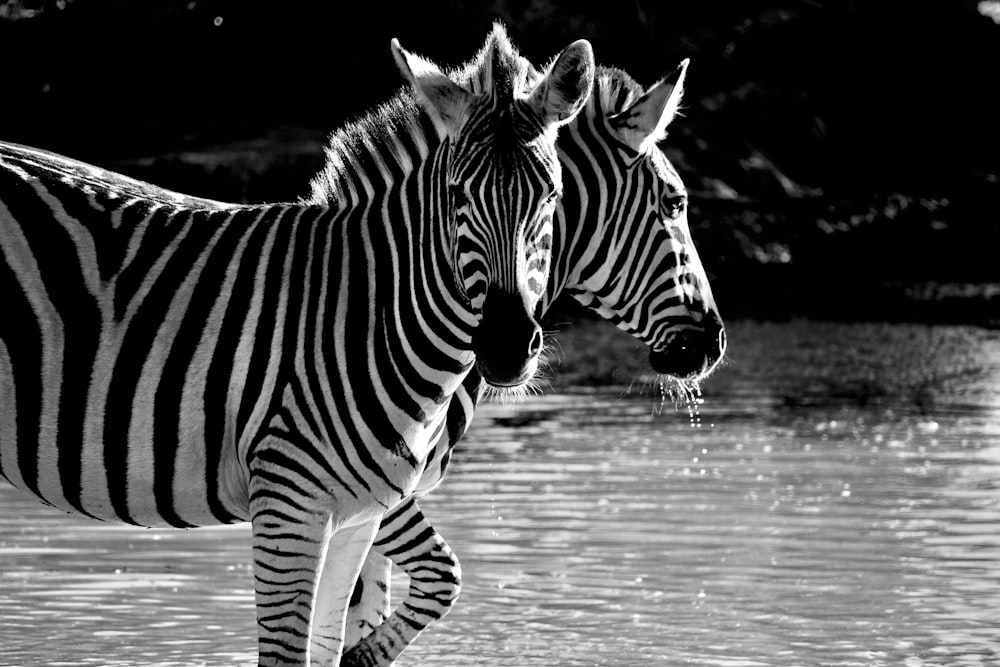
(217,22)
(929,426)
(694,401)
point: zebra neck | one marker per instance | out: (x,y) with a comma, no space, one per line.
(412,334)
(404,321)
(593,212)
(572,236)
(388,170)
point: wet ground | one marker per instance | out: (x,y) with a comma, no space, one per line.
(835,500)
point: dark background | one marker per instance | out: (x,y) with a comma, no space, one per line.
(843,156)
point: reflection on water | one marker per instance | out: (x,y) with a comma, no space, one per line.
(838,505)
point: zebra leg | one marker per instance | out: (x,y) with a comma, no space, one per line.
(344,559)
(411,542)
(298,541)
(286,563)
(370,601)
(303,577)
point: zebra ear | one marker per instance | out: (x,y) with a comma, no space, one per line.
(566,85)
(443,99)
(645,122)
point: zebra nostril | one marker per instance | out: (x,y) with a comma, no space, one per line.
(687,354)
(535,346)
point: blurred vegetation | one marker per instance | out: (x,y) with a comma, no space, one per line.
(843,156)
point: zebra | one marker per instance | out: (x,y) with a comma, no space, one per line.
(169,360)
(623,249)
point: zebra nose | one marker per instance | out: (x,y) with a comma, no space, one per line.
(507,341)
(690,353)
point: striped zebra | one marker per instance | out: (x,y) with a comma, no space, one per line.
(167,360)
(622,248)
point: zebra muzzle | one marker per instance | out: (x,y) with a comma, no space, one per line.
(690,354)
(508,340)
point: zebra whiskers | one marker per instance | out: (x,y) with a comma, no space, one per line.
(534,387)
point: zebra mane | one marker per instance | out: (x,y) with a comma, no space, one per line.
(614,91)
(508,74)
(497,70)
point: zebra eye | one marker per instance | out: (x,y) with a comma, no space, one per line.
(552,198)
(674,205)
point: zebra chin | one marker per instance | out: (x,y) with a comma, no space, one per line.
(505,378)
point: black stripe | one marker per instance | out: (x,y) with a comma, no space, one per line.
(395,371)
(264,332)
(61,273)
(307,448)
(22,336)
(167,417)
(137,343)
(359,304)
(157,234)
(314,310)
(219,374)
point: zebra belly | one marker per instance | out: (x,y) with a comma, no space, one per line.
(114,465)
(196,513)
(139,497)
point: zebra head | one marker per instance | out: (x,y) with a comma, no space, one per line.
(637,265)
(500,117)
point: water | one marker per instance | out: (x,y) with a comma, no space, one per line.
(839,504)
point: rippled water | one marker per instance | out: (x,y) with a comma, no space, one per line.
(839,504)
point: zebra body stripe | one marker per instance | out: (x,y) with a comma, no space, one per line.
(126,348)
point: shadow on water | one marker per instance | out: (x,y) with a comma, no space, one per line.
(835,500)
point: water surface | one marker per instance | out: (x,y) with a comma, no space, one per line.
(834,501)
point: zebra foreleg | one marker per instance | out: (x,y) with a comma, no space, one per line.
(287,558)
(414,545)
(305,563)
(303,578)
(369,605)
(344,559)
